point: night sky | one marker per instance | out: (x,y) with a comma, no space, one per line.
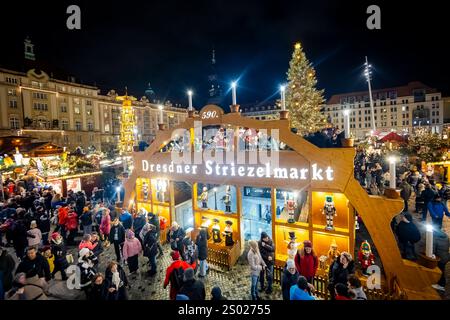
(169,43)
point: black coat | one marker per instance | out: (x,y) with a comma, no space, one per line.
(138,224)
(59,252)
(407,232)
(287,282)
(154,220)
(202,245)
(86,218)
(120,232)
(99,292)
(339,274)
(19,234)
(180,234)
(428,195)
(267,251)
(39,266)
(7,265)
(121,294)
(44,223)
(194,289)
(150,245)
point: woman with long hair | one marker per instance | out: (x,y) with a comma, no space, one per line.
(306,261)
(117,282)
(257,264)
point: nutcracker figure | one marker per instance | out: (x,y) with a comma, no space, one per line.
(219,139)
(145,191)
(333,253)
(292,245)
(161,188)
(227,199)
(204,198)
(290,205)
(365,257)
(228,233)
(216,232)
(329,210)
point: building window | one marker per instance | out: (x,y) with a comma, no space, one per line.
(11,80)
(65,125)
(13,104)
(39,95)
(106,127)
(76,101)
(91,137)
(63,108)
(40,106)
(12,92)
(89,111)
(106,115)
(77,110)
(89,102)
(90,126)
(14,122)
(78,125)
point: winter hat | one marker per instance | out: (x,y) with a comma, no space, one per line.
(83,252)
(55,235)
(307,244)
(264,235)
(290,264)
(216,292)
(175,255)
(188,274)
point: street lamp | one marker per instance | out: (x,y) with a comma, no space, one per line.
(347,123)
(190,93)
(283,97)
(233,92)
(215,198)
(367,74)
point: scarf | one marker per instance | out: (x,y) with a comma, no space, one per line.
(116,279)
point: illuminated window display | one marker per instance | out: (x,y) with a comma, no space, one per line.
(330,211)
(184,214)
(256,212)
(216,197)
(292,205)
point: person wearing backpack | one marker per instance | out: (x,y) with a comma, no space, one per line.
(408,235)
(174,274)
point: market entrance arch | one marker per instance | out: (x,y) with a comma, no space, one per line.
(327,174)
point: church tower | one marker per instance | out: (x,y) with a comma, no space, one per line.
(29,50)
(214,91)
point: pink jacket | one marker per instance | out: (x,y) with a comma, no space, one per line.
(105,225)
(37,237)
(131,248)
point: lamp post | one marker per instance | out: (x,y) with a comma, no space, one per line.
(347,124)
(215,198)
(392,173)
(367,74)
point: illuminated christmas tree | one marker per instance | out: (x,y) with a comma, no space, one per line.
(303,100)
(127,125)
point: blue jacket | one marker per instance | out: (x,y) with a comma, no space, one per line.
(437,210)
(126,219)
(297,294)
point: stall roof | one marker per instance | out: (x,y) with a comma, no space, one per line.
(27,145)
(392,136)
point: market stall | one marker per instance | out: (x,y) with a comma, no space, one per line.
(268,179)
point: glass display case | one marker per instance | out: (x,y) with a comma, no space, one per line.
(292,206)
(330,211)
(216,197)
(256,212)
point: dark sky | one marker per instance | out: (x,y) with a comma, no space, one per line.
(168,43)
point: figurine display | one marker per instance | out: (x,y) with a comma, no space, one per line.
(323,262)
(161,188)
(329,210)
(290,205)
(292,247)
(219,139)
(145,191)
(216,232)
(365,257)
(204,198)
(333,253)
(228,233)
(227,199)
(205,225)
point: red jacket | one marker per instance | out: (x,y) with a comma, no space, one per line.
(175,265)
(306,264)
(72,221)
(62,215)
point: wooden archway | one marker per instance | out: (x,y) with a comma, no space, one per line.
(377,212)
